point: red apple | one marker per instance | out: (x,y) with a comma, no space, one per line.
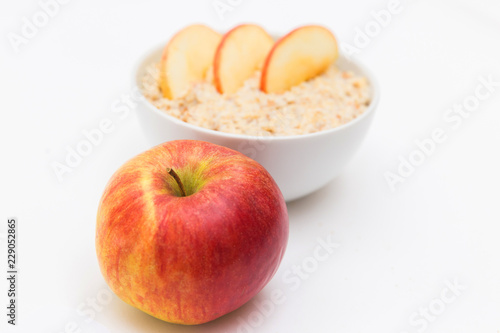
(189,231)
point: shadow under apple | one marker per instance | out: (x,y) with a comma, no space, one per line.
(235,321)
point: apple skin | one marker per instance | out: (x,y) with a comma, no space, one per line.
(248,46)
(186,59)
(192,259)
(302,64)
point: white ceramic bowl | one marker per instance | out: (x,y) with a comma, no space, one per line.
(300,164)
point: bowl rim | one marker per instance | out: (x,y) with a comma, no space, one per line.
(363,70)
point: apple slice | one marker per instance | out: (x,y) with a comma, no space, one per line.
(241,52)
(298,56)
(186,58)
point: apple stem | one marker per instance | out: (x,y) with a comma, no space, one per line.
(178,180)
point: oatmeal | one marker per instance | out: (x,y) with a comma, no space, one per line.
(326,101)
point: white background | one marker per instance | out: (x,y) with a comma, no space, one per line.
(396,248)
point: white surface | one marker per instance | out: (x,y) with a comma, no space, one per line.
(396,249)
